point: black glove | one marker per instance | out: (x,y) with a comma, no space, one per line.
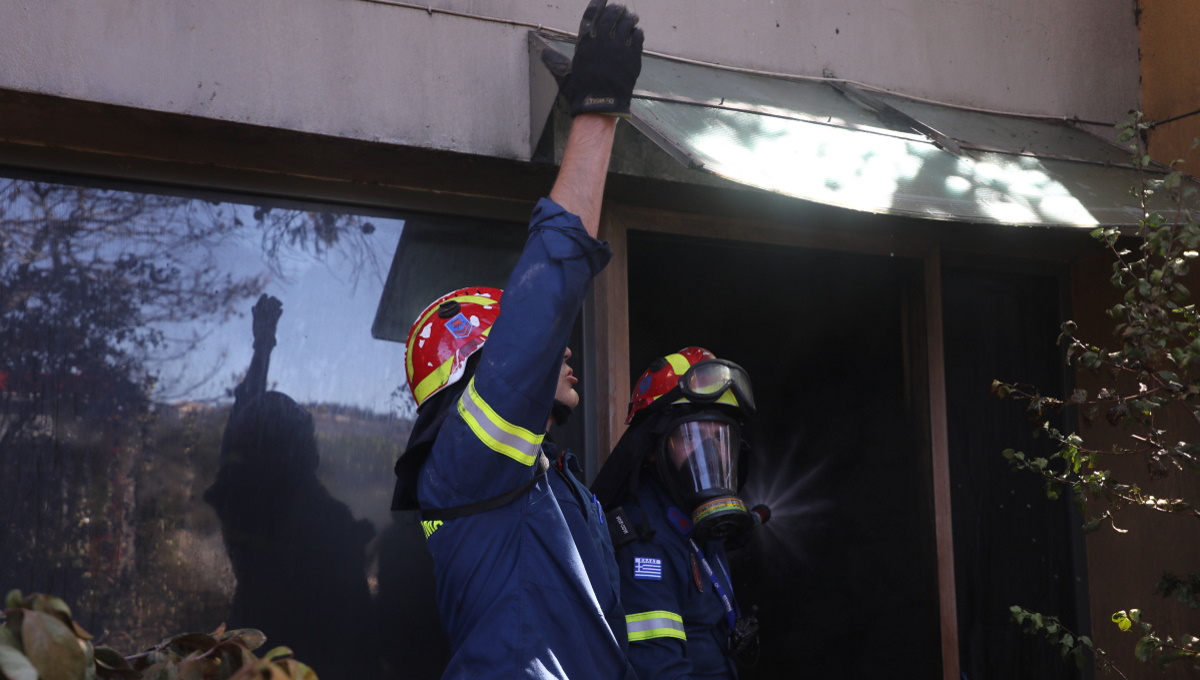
(608,59)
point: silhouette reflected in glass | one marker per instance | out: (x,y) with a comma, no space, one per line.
(298,554)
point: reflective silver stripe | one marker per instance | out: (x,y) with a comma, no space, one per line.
(656,624)
(497,433)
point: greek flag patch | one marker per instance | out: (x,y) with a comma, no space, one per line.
(647,568)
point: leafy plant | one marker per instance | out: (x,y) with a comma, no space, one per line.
(1150,378)
(1151,648)
(40,639)
(1069,644)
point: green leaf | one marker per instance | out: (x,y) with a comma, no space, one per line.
(14,600)
(252,638)
(107,657)
(13,664)
(1145,647)
(161,671)
(52,647)
(189,642)
(50,605)
(1053,490)
(1170,656)
(278,653)
(1122,620)
(89,660)
(297,670)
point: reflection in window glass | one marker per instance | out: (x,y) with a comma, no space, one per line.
(134,485)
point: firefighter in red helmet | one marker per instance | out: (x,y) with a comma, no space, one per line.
(526,582)
(670,488)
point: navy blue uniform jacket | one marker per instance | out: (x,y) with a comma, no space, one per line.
(524,591)
(677,629)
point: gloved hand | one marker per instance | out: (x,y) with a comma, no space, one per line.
(608,59)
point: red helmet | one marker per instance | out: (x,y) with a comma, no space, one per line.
(693,375)
(445,335)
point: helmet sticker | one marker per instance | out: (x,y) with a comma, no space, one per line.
(645,383)
(459,326)
(468,349)
(647,568)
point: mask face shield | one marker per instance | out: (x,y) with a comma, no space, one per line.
(699,463)
(704,454)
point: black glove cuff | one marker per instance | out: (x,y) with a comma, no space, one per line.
(613,106)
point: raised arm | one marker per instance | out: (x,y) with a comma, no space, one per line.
(598,86)
(580,184)
(265,313)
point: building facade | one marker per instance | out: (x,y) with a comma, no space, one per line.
(876,209)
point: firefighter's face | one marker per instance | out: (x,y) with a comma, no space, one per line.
(566,384)
(683,442)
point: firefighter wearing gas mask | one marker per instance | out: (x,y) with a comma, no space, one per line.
(670,491)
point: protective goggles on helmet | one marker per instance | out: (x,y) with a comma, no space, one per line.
(712,380)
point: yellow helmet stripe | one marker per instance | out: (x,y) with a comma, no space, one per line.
(726,398)
(495,432)
(679,364)
(437,378)
(477,299)
(655,624)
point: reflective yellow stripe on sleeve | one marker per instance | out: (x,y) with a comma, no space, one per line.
(656,624)
(497,433)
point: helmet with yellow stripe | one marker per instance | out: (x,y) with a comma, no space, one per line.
(445,335)
(694,405)
(693,375)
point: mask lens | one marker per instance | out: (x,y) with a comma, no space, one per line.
(704,453)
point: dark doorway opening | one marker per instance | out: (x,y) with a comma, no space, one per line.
(1012,545)
(845,573)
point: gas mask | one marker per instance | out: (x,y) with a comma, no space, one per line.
(698,463)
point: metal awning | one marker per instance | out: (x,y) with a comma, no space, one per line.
(831,142)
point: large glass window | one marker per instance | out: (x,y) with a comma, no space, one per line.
(165,467)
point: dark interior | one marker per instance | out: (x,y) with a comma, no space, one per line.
(844,575)
(1012,545)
